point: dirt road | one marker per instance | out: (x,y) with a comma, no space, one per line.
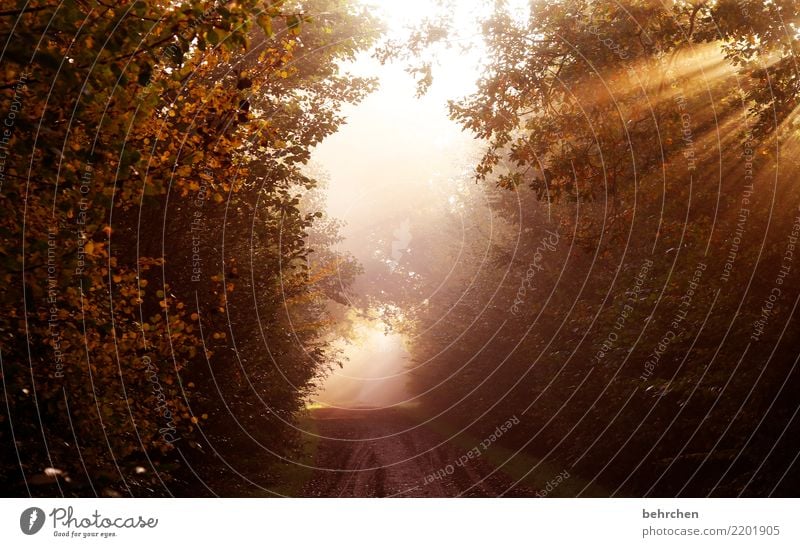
(383,453)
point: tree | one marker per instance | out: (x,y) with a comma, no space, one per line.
(136,130)
(660,137)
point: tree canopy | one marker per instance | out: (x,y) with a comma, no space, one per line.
(139,138)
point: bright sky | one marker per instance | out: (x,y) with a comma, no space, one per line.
(397,150)
(395,153)
(394,147)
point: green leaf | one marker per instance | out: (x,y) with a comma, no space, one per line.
(265,22)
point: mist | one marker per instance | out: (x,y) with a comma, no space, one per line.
(375,373)
(397,161)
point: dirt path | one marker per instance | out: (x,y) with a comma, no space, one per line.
(366,454)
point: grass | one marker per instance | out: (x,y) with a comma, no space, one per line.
(528,470)
(293,476)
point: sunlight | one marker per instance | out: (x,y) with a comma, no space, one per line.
(399,15)
(399,248)
(455,73)
(374,373)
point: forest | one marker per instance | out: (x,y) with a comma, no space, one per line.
(601,301)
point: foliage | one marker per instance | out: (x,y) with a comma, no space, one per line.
(141,136)
(658,141)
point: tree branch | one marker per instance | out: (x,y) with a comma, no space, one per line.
(18,12)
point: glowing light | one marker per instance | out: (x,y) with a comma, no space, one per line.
(374,374)
(400,14)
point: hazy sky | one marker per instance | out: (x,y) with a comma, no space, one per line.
(396,153)
(396,150)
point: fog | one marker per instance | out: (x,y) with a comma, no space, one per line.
(375,373)
(396,155)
